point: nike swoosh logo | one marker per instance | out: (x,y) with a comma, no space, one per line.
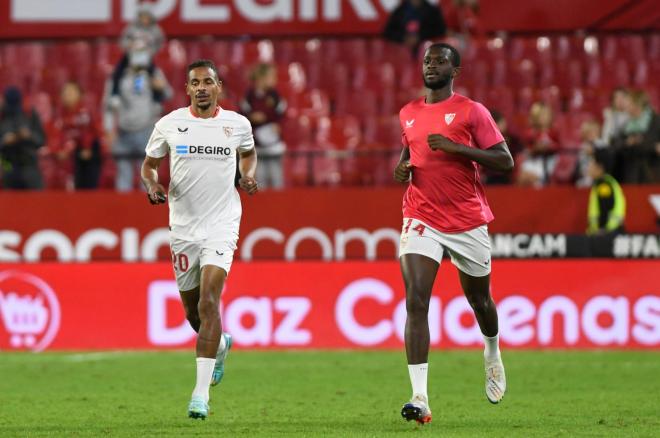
(219,253)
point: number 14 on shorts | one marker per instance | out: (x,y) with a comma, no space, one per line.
(419,227)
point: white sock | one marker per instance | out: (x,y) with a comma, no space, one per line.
(223,343)
(418,378)
(205,367)
(492,347)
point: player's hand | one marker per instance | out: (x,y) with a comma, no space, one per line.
(439,142)
(402,171)
(248,184)
(156,194)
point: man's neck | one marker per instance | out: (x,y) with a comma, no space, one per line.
(435,96)
(207,113)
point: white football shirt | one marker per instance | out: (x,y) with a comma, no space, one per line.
(202,198)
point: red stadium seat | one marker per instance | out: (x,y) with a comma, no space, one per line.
(568,74)
(653,42)
(387,102)
(618,74)
(297,132)
(473,75)
(331,78)
(526,97)
(564,172)
(572,123)
(353,50)
(383,130)
(499,73)
(341,132)
(551,96)
(380,50)
(500,99)
(523,73)
(358,103)
(633,48)
(546,75)
(312,103)
(410,77)
(641,73)
(609,47)
(43,105)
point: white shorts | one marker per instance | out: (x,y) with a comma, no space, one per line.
(469,251)
(188,258)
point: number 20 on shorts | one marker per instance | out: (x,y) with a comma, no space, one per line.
(180,262)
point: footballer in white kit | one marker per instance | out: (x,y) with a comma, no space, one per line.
(203,141)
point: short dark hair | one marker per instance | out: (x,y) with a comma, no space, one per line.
(603,157)
(496,115)
(202,63)
(455,56)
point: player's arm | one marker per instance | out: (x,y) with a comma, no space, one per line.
(149,174)
(496,157)
(247,166)
(403,168)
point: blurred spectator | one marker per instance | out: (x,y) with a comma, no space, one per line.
(414,21)
(607,204)
(140,40)
(264,107)
(542,143)
(637,146)
(21,135)
(129,125)
(463,17)
(591,140)
(615,116)
(78,137)
(515,147)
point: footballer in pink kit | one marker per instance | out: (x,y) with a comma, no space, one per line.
(446,137)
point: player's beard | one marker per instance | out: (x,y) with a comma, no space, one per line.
(440,82)
(204,106)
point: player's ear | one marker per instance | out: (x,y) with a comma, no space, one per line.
(456,71)
(187,89)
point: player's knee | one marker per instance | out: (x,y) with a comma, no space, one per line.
(416,305)
(208,309)
(480,304)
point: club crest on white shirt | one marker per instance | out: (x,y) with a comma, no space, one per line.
(228,130)
(449,118)
(410,123)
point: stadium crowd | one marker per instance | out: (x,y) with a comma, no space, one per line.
(325,110)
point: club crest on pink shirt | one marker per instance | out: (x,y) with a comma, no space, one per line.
(449,118)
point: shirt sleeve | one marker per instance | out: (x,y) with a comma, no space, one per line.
(483,128)
(404,139)
(157,146)
(247,139)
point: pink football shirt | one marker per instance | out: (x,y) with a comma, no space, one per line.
(445,191)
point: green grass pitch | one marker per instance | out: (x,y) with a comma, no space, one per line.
(312,393)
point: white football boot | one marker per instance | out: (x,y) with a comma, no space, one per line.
(495,380)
